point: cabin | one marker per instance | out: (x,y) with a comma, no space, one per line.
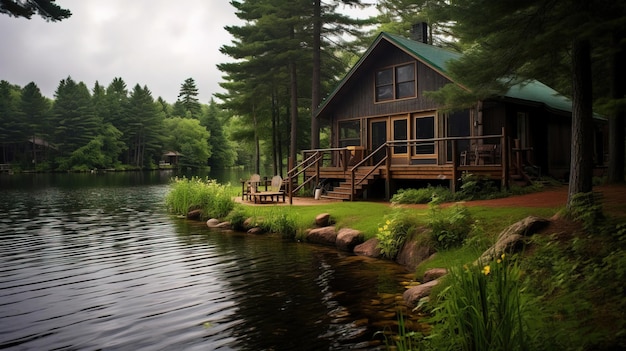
(386,134)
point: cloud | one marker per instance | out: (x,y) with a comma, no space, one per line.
(156,43)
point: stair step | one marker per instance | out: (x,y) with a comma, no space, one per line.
(330,197)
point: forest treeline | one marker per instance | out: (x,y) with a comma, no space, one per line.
(110,127)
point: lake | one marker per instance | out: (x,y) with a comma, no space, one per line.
(94,262)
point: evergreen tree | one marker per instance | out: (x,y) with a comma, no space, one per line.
(116,100)
(187,104)
(73,119)
(514,41)
(329,26)
(11,132)
(35,110)
(143,136)
(164,108)
(272,56)
(222,153)
(47,9)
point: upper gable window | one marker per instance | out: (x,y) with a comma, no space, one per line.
(396,82)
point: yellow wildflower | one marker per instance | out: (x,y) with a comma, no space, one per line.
(385,227)
(486,270)
(388,222)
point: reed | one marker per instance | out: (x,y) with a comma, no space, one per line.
(211,198)
(484,308)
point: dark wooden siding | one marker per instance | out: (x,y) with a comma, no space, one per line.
(357,96)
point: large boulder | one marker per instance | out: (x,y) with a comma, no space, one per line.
(412,254)
(194,214)
(434,273)
(212,223)
(512,238)
(324,236)
(323,220)
(368,248)
(414,294)
(348,238)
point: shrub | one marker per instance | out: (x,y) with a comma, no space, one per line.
(422,195)
(474,187)
(449,226)
(392,233)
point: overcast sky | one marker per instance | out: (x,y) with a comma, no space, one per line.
(157,43)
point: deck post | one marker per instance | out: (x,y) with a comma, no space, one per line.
(388,173)
(290,179)
(352,185)
(318,160)
(505,149)
(454,168)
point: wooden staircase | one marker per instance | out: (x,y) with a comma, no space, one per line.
(363,178)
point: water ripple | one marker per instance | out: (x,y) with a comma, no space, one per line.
(106,268)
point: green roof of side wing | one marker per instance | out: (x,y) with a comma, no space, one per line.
(437,58)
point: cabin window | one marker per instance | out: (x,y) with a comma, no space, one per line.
(384,85)
(405,81)
(350,133)
(396,83)
(400,132)
(425,129)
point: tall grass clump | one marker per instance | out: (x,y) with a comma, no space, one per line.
(393,232)
(450,226)
(211,198)
(485,307)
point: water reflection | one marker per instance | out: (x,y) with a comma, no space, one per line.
(96,263)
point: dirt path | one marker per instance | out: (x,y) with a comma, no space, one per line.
(614,200)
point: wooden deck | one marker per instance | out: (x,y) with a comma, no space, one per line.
(351,179)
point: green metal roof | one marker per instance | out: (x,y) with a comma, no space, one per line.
(433,56)
(437,58)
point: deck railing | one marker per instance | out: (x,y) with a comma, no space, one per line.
(492,153)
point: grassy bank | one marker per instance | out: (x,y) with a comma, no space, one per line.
(564,292)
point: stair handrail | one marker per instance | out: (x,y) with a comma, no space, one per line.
(311,161)
(365,159)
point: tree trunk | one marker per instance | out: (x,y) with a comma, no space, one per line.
(616,119)
(293,111)
(581,168)
(257,145)
(316,85)
(274,134)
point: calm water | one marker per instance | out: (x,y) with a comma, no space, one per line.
(93,262)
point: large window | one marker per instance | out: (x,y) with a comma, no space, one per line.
(400,130)
(425,129)
(396,83)
(350,133)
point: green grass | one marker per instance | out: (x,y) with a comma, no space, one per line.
(345,215)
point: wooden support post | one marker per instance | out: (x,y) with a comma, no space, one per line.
(290,179)
(505,150)
(455,176)
(388,173)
